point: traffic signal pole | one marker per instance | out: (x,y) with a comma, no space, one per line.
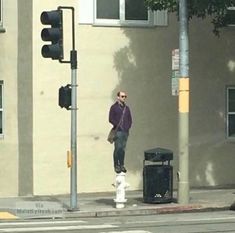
(55,51)
(73,146)
(73,179)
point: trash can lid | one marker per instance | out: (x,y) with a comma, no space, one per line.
(158,154)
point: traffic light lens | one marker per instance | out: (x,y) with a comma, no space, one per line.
(53,18)
(53,51)
(51,34)
(45,51)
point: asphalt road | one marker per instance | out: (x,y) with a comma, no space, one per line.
(222,221)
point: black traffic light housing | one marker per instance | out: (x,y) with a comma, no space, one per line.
(65,97)
(54,34)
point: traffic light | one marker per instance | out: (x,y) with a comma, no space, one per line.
(65,96)
(54,34)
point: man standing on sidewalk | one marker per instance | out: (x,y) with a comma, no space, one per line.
(120,118)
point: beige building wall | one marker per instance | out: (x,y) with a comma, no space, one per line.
(51,124)
(16,74)
(213,68)
(137,60)
(9,152)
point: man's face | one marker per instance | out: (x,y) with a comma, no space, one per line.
(122,97)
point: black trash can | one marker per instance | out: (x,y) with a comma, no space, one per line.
(158,176)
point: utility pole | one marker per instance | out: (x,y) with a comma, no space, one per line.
(183,105)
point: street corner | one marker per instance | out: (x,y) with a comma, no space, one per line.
(5,215)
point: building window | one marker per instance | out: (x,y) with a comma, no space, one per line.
(1,13)
(231,16)
(119,13)
(231,112)
(1,17)
(122,13)
(135,10)
(1,108)
(107,9)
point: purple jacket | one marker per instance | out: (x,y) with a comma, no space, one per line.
(115,114)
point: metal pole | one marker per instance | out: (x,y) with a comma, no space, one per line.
(73,186)
(73,62)
(183,175)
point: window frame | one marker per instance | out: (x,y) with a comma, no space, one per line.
(2,29)
(1,21)
(228,113)
(231,9)
(2,108)
(122,21)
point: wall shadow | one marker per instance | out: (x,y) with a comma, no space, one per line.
(144,69)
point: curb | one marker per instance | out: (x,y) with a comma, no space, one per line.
(193,208)
(127,211)
(146,211)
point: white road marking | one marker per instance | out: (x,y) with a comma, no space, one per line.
(181,220)
(57,228)
(40,223)
(206,219)
(135,231)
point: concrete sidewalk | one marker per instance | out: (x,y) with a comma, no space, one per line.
(102,204)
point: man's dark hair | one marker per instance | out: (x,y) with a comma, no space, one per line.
(118,94)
